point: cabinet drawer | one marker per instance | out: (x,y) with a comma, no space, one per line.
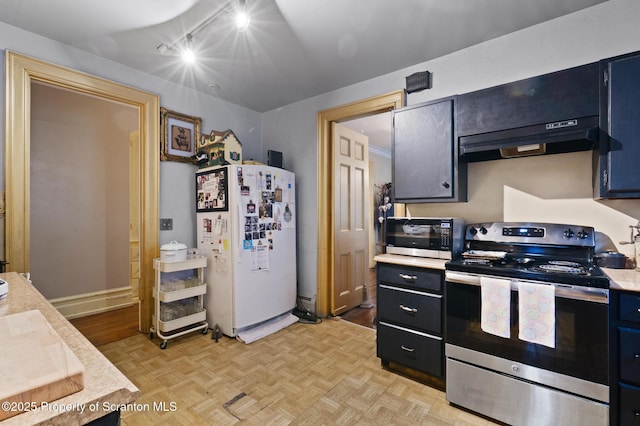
(413,349)
(629,307)
(629,405)
(419,278)
(630,354)
(412,308)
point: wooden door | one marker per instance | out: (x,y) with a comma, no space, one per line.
(352,214)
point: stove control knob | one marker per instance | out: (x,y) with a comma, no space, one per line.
(483,230)
(582,234)
(473,231)
(568,233)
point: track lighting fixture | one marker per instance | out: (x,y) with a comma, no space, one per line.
(184,46)
(188,55)
(243,19)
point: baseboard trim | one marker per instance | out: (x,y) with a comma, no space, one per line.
(81,305)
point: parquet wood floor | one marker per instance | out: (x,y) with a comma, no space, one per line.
(306,374)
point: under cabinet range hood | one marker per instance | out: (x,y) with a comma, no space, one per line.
(548,114)
(549,138)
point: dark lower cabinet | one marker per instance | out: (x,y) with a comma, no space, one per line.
(410,318)
(629,412)
(625,358)
(411,348)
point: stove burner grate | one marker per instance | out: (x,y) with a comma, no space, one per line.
(562,267)
(565,263)
(477,261)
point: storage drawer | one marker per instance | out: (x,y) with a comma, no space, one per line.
(419,278)
(629,405)
(410,348)
(629,307)
(629,354)
(412,308)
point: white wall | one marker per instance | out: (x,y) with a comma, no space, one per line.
(604,30)
(177,190)
(79,188)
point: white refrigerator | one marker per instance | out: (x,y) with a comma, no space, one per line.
(246,226)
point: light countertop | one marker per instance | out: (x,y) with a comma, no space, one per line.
(623,279)
(105,387)
(420,262)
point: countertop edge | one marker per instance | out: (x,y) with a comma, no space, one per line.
(619,279)
(420,262)
(623,279)
(104,383)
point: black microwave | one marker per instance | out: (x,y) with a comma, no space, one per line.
(440,238)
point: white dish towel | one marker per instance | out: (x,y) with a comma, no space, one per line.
(537,312)
(495,316)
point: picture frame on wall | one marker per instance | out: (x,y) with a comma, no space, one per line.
(179,135)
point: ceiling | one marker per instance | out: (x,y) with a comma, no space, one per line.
(293,50)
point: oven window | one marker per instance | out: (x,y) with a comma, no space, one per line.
(581,348)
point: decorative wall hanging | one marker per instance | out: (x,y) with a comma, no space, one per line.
(212,191)
(179,135)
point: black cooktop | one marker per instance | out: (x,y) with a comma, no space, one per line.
(555,253)
(569,271)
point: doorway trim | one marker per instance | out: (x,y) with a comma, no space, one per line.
(20,72)
(326,239)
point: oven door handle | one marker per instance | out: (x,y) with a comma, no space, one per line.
(589,294)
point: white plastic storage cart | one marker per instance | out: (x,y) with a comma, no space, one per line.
(178,297)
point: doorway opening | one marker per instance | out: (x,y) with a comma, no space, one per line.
(326,237)
(21,72)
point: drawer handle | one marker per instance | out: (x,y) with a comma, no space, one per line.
(404,348)
(413,278)
(407,309)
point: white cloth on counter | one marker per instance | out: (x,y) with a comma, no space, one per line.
(537,312)
(495,316)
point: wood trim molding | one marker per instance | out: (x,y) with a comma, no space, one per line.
(20,72)
(362,108)
(95,303)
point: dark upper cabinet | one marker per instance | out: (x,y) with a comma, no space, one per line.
(555,112)
(562,95)
(425,154)
(618,153)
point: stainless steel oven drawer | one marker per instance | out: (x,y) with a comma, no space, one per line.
(418,278)
(415,309)
(410,348)
(630,355)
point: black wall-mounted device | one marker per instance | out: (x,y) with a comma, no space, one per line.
(274,158)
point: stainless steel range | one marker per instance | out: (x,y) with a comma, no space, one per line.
(527,325)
